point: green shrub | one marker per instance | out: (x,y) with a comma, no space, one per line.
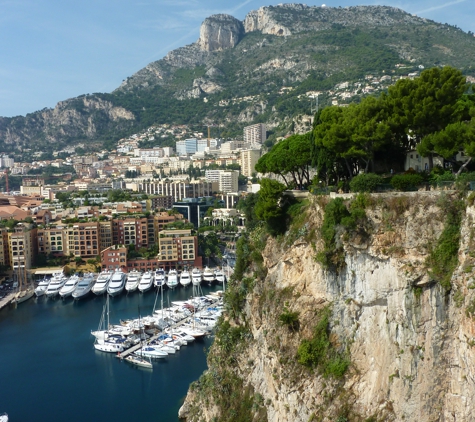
(406,182)
(318,352)
(289,318)
(443,258)
(366,182)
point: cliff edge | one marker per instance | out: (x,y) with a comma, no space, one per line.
(404,341)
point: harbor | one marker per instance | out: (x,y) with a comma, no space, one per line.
(48,357)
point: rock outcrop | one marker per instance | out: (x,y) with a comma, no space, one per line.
(410,342)
(220,32)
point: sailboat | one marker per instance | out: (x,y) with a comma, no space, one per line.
(108,343)
(23,295)
(138,361)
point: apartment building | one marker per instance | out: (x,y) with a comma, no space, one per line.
(255,134)
(22,243)
(130,231)
(105,234)
(178,189)
(4,248)
(114,257)
(249,159)
(83,239)
(178,248)
(52,240)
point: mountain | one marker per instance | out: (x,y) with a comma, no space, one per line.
(256,70)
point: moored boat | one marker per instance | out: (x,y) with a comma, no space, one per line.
(102,282)
(138,361)
(185,278)
(57,282)
(159,277)
(69,287)
(172,279)
(146,282)
(42,286)
(3,417)
(116,283)
(84,286)
(196,276)
(208,276)
(219,276)
(133,280)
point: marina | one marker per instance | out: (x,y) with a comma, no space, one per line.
(60,357)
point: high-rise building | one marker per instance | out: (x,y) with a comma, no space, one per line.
(255,134)
(249,158)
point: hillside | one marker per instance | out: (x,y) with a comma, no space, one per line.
(258,70)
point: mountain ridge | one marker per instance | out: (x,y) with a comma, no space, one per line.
(293,46)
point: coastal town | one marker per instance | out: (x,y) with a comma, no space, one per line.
(134,208)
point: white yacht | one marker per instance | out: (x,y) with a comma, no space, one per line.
(208,276)
(57,282)
(185,278)
(152,352)
(172,279)
(42,286)
(146,282)
(133,280)
(117,282)
(159,277)
(196,276)
(69,287)
(219,276)
(102,282)
(3,417)
(84,286)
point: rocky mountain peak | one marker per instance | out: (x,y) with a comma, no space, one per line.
(219,32)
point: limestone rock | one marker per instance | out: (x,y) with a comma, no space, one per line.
(219,32)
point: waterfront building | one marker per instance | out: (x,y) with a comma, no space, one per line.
(178,248)
(22,242)
(83,240)
(132,230)
(52,240)
(114,257)
(105,234)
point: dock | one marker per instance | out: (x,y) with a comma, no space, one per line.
(7,300)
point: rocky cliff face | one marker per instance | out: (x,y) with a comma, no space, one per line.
(78,118)
(219,32)
(410,342)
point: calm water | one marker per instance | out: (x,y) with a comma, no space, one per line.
(50,371)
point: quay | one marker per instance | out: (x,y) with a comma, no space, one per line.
(6,300)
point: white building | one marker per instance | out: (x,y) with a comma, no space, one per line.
(255,134)
(227,179)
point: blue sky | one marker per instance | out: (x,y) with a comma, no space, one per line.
(52,50)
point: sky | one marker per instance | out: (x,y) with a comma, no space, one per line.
(52,50)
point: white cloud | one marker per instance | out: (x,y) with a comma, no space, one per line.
(441,6)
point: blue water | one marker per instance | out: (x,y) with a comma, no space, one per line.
(50,371)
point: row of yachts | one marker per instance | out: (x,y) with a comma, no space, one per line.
(115,282)
(161,334)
